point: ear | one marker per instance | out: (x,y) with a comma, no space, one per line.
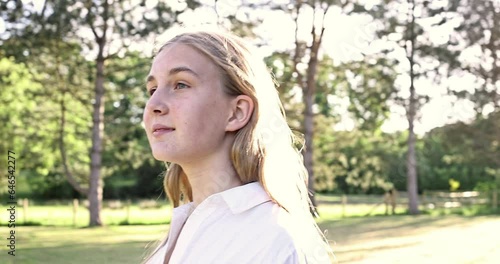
(241,111)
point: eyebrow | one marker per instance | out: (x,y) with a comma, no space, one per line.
(175,71)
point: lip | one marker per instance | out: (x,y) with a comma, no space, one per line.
(159,130)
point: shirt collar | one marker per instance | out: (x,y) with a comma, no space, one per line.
(237,199)
(245,197)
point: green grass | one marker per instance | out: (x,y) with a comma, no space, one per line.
(471,210)
(112,244)
(354,236)
(328,212)
(331,208)
(385,239)
(61,215)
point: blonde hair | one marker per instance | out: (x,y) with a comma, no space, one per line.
(265,149)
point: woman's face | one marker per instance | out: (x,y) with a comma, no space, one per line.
(186,116)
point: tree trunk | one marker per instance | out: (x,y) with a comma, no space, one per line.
(95,184)
(411,163)
(309,93)
(308,85)
(309,132)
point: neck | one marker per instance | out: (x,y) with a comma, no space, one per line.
(210,176)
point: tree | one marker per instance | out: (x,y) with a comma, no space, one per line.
(411,115)
(51,66)
(129,172)
(404,26)
(306,72)
(306,80)
(478,36)
(108,20)
(114,26)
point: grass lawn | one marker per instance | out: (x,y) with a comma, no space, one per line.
(379,239)
(112,244)
(62,215)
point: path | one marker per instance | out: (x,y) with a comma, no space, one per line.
(422,239)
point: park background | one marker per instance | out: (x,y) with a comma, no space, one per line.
(389,94)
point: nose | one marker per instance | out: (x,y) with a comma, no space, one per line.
(155,104)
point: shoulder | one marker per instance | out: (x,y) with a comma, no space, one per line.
(246,226)
(292,240)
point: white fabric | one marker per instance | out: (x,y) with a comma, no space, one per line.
(240,225)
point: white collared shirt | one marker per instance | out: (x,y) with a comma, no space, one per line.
(239,225)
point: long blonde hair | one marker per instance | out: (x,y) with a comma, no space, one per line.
(265,150)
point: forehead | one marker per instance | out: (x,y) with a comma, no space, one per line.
(182,55)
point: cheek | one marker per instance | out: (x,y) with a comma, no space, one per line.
(204,120)
(146,119)
(213,113)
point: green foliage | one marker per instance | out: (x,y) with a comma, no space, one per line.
(16,107)
(45,40)
(131,171)
(467,153)
(45,66)
(370,89)
(357,161)
(344,162)
(68,91)
(478,33)
(281,66)
(486,187)
(25,101)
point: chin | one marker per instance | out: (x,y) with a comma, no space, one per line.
(160,152)
(165,157)
(161,157)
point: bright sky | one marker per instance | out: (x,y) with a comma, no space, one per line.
(345,38)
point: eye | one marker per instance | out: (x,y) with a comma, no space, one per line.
(152,90)
(180,85)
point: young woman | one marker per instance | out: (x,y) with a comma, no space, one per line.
(234,175)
